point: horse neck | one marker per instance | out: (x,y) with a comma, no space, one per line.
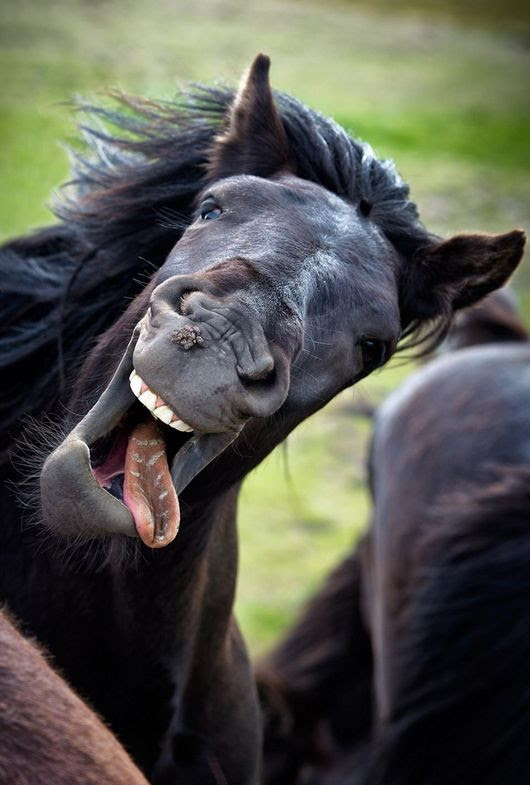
(196,574)
(181,596)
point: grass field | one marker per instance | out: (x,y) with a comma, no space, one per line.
(440,87)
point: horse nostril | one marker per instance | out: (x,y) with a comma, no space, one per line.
(265,376)
(183,300)
(261,371)
(259,385)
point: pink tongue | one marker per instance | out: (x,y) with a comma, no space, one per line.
(148,491)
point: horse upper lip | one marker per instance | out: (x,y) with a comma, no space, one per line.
(156,404)
(198,451)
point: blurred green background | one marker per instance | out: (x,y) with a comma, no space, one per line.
(441,87)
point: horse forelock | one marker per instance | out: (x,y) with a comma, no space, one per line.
(143,155)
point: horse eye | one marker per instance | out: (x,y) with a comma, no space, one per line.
(210,212)
(374,353)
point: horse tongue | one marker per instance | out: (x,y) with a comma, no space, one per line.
(148,491)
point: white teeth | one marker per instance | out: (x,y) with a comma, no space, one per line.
(136,383)
(164,413)
(180,425)
(149,399)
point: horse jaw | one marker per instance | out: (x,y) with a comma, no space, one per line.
(73,499)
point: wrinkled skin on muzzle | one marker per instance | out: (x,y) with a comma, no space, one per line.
(225,372)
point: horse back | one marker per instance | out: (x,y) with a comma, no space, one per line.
(451,477)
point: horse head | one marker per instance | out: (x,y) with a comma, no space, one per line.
(281,292)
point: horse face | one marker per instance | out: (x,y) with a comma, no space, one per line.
(271,273)
(277,296)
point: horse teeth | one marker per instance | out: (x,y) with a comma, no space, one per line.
(164,413)
(148,399)
(136,383)
(180,425)
(156,405)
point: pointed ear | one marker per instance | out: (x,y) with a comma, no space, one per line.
(254,141)
(453,274)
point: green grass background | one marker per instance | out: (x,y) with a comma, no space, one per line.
(441,87)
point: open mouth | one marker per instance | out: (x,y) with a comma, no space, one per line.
(132,461)
(122,468)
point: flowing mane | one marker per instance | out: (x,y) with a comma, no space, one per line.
(127,203)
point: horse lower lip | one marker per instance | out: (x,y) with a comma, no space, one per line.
(73,502)
(196,454)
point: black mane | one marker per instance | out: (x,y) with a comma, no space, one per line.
(128,202)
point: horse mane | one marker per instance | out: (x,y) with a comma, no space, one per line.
(129,200)
(463,706)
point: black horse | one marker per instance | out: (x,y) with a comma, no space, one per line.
(288,262)
(450,582)
(412,662)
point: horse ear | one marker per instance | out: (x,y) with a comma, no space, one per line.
(254,141)
(458,272)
